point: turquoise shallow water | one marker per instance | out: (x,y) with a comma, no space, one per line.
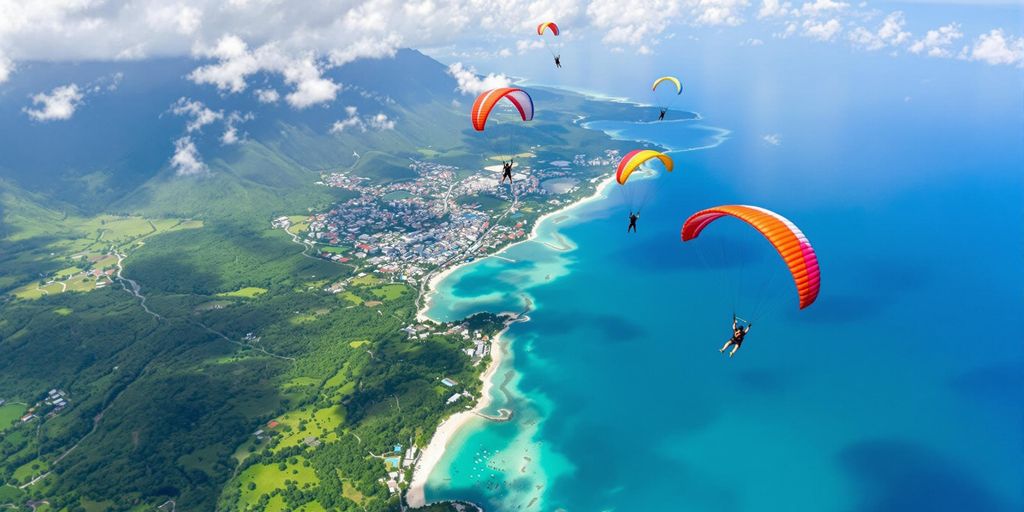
(900,389)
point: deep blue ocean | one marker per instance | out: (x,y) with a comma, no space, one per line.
(901,389)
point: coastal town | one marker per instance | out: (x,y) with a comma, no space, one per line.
(408,229)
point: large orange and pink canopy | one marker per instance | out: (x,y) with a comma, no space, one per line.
(783,235)
(484,104)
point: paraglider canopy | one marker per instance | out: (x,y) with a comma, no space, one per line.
(547,25)
(635,159)
(787,239)
(486,101)
(671,79)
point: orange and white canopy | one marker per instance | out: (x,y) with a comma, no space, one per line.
(787,239)
(486,101)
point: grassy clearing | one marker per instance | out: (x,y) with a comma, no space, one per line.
(390,291)
(300,223)
(9,413)
(333,249)
(349,491)
(10,493)
(248,292)
(268,477)
(30,470)
(318,423)
(367,280)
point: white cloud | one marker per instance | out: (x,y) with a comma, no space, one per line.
(822,31)
(340,126)
(995,48)
(891,33)
(58,105)
(178,18)
(753,42)
(366,47)
(199,115)
(230,135)
(773,138)
(471,83)
(379,122)
(822,7)
(267,95)
(310,87)
(186,160)
(936,43)
(720,12)
(235,63)
(632,23)
(6,68)
(526,45)
(774,9)
(789,31)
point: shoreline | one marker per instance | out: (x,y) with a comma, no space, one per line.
(415,495)
(431,287)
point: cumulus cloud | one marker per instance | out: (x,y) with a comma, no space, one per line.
(236,62)
(267,95)
(891,33)
(822,7)
(773,138)
(230,135)
(186,160)
(936,43)
(995,48)
(381,122)
(310,87)
(822,31)
(632,23)
(719,12)
(471,83)
(774,9)
(199,114)
(59,105)
(378,122)
(366,47)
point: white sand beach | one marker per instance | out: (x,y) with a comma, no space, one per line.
(446,430)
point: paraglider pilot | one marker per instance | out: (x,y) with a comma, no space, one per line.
(632,221)
(558,61)
(506,171)
(661,116)
(738,333)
